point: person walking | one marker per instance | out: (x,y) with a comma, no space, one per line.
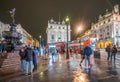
(114,52)
(87,53)
(1,48)
(82,56)
(108,50)
(22,58)
(29,58)
(53,54)
(35,55)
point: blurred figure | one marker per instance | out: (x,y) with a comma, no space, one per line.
(1,47)
(53,53)
(114,52)
(56,51)
(29,58)
(70,52)
(87,53)
(108,50)
(22,58)
(36,52)
(38,48)
(82,56)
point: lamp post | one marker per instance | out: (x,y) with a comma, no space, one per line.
(67,23)
(40,40)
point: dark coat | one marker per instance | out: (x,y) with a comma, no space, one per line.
(87,51)
(29,54)
(22,55)
(114,50)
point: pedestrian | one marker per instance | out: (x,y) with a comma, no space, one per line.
(70,51)
(29,58)
(56,51)
(87,53)
(22,58)
(82,56)
(35,55)
(53,53)
(114,52)
(108,50)
(1,48)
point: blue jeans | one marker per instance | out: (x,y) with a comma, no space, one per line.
(108,56)
(87,58)
(22,66)
(28,63)
(35,64)
(114,55)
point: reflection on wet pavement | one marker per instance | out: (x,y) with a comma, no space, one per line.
(62,70)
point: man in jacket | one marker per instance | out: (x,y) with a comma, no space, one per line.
(29,58)
(87,53)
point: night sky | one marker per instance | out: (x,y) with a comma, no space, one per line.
(33,15)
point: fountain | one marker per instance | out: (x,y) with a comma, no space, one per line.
(12,37)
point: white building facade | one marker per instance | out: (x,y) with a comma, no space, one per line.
(3,27)
(24,34)
(107,29)
(57,32)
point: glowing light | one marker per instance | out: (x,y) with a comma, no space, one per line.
(52,46)
(82,78)
(41,73)
(40,36)
(67,19)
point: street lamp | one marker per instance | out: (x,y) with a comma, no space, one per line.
(67,20)
(40,40)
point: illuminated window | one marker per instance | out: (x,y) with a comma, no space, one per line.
(108,33)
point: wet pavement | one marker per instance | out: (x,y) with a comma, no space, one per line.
(58,69)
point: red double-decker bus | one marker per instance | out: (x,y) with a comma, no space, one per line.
(78,45)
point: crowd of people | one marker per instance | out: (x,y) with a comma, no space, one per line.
(87,52)
(28,56)
(111,51)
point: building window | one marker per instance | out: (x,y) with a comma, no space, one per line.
(52,36)
(50,26)
(59,27)
(108,33)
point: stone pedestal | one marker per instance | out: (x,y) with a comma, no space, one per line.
(9,63)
